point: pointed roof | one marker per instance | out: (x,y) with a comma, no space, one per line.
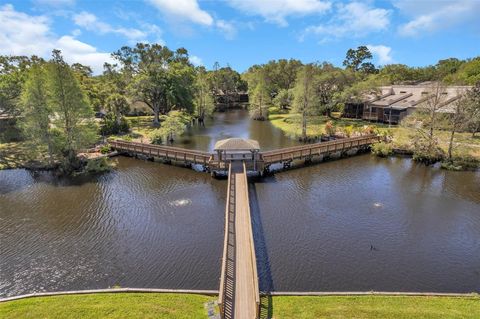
(237,144)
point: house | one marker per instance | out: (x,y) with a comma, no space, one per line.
(392,103)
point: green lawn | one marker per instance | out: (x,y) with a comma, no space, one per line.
(375,307)
(108,305)
(164,305)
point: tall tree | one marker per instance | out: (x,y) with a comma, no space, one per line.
(356,59)
(259,96)
(204,102)
(330,84)
(36,111)
(160,78)
(73,115)
(13,74)
(305,96)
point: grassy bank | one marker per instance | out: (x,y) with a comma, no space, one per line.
(375,307)
(108,305)
(152,305)
(290,124)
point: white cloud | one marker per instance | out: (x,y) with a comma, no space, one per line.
(227,28)
(195,60)
(353,19)
(76,51)
(382,53)
(90,22)
(278,10)
(22,34)
(430,16)
(184,9)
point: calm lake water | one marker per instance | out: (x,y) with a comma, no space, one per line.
(359,223)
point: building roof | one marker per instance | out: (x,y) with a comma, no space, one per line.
(237,144)
(406,96)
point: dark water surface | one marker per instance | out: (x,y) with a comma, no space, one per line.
(360,223)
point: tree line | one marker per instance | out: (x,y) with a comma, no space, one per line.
(54,102)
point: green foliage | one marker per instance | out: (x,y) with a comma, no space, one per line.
(158,77)
(283,99)
(348,130)
(105,148)
(37,111)
(112,126)
(98,165)
(172,126)
(305,100)
(13,74)
(382,149)
(226,84)
(426,149)
(356,60)
(461,162)
(74,116)
(279,75)
(259,97)
(204,100)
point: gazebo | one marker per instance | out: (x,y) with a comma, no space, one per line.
(232,149)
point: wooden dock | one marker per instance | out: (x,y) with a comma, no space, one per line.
(309,151)
(239,295)
(262,162)
(162,151)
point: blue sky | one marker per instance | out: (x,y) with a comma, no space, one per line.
(244,32)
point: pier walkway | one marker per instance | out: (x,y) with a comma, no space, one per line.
(239,295)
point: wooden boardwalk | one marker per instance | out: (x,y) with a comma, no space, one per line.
(266,158)
(162,151)
(239,292)
(308,151)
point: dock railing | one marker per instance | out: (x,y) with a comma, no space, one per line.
(221,292)
(164,151)
(252,249)
(309,150)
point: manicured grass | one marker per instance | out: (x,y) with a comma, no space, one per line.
(165,305)
(108,305)
(375,307)
(402,137)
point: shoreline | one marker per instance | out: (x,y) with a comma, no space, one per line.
(215,292)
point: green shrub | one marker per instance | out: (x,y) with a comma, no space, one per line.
(426,150)
(105,149)
(461,163)
(98,165)
(156,137)
(348,130)
(429,157)
(382,149)
(111,126)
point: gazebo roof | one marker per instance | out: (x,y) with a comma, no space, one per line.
(236,144)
